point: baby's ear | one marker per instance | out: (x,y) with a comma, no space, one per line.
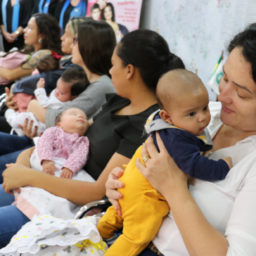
(58,124)
(165,116)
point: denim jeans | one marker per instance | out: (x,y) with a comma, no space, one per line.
(11,218)
(10,148)
(7,159)
(11,143)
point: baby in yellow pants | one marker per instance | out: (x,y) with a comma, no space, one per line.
(181,122)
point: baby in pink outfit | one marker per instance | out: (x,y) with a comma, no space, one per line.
(65,141)
(61,151)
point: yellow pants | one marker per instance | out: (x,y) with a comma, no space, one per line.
(143,209)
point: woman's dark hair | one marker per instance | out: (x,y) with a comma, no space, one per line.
(77,78)
(96,42)
(49,28)
(247,41)
(113,18)
(149,52)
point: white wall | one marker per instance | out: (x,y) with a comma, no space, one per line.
(198,30)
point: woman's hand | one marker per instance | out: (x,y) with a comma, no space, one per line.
(28,129)
(14,177)
(112,184)
(160,169)
(9,101)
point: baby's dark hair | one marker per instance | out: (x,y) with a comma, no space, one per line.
(77,78)
(47,63)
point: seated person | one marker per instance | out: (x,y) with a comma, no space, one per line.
(42,35)
(45,63)
(116,131)
(181,121)
(62,151)
(71,83)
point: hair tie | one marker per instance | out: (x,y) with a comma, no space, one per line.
(56,56)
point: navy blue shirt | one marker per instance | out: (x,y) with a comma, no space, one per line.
(186,148)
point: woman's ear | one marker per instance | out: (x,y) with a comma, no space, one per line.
(165,116)
(130,71)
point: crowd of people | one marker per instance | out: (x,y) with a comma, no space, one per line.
(124,112)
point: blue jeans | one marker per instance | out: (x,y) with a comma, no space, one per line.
(10,148)
(11,143)
(6,159)
(11,218)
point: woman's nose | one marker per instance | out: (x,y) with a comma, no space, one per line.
(225,89)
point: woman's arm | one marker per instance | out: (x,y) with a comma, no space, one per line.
(24,157)
(79,192)
(162,172)
(14,74)
(38,111)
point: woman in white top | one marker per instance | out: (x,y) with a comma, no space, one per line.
(212,218)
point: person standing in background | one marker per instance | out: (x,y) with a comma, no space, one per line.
(13,19)
(67,9)
(45,6)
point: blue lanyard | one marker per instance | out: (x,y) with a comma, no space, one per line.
(15,14)
(64,8)
(40,5)
(44,6)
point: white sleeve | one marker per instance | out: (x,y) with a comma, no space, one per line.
(241,227)
(41,96)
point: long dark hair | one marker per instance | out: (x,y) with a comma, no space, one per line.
(113,18)
(149,52)
(49,28)
(96,42)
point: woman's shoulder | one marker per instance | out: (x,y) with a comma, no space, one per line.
(103,85)
(104,80)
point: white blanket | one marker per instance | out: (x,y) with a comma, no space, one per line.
(49,236)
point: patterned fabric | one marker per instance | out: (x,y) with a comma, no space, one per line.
(32,60)
(49,236)
(56,143)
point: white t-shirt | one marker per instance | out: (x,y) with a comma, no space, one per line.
(229,205)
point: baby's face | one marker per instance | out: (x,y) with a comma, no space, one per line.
(191,113)
(74,120)
(63,90)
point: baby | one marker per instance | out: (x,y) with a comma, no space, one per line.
(48,63)
(72,82)
(61,151)
(44,64)
(65,143)
(181,122)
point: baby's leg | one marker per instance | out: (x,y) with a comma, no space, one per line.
(109,223)
(140,226)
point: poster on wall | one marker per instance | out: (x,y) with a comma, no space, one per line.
(122,15)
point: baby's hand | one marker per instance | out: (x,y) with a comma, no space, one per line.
(48,167)
(40,83)
(228,160)
(66,173)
